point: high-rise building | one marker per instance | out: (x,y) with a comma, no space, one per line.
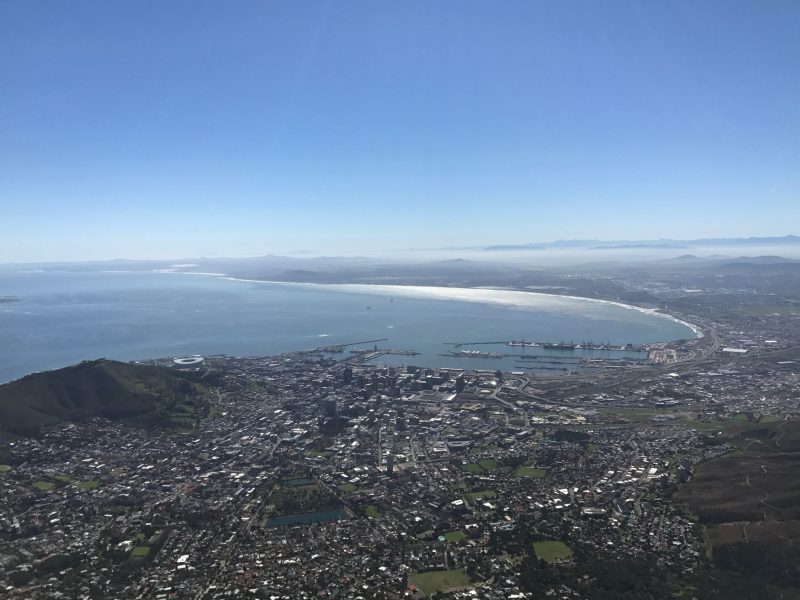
(389,465)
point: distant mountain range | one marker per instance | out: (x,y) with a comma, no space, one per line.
(487,265)
(786,240)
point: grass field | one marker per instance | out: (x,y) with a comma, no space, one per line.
(552,551)
(645,415)
(439,581)
(480,467)
(454,536)
(45,486)
(5,468)
(534,472)
(347,487)
(90,484)
(140,551)
(482,494)
(760,310)
(372,512)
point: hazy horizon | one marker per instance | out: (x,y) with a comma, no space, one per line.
(536,258)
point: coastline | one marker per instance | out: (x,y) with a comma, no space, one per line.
(463,294)
(559,306)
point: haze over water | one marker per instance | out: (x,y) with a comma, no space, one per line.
(64,317)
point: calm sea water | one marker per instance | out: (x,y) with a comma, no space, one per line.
(61,318)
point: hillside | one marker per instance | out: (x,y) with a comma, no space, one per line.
(144,394)
(749,502)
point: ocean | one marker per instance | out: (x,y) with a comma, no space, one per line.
(60,318)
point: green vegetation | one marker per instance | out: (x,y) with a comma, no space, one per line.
(144,394)
(90,484)
(645,415)
(482,494)
(573,436)
(534,472)
(749,501)
(347,487)
(5,468)
(514,559)
(601,579)
(255,386)
(740,418)
(482,466)
(688,414)
(372,512)
(302,495)
(45,486)
(455,536)
(140,551)
(323,453)
(755,483)
(439,581)
(552,551)
(761,310)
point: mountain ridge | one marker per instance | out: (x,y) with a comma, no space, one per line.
(145,394)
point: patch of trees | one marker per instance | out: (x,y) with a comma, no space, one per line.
(723,585)
(777,560)
(58,562)
(568,435)
(512,462)
(597,579)
(291,502)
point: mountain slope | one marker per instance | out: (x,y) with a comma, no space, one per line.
(103,388)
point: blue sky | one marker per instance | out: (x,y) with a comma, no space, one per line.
(188,128)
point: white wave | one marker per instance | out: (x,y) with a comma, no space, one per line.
(511,298)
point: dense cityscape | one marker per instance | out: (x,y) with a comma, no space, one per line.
(400,300)
(321,475)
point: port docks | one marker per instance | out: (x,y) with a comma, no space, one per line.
(557,345)
(551,362)
(364,356)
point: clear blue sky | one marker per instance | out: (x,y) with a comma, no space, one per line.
(186,128)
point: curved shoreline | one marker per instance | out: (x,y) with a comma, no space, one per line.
(476,295)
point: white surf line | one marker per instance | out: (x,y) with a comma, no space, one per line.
(478,295)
